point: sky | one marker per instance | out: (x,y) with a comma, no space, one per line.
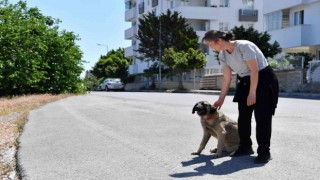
(94,21)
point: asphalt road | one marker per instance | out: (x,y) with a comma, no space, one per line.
(122,135)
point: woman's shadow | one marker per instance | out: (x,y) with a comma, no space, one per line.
(227,167)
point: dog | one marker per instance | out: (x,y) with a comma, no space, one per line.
(216,124)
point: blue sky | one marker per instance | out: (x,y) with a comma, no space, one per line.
(95,21)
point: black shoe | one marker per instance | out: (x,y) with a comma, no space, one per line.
(263,158)
(242,152)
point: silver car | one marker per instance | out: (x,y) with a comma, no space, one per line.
(112,84)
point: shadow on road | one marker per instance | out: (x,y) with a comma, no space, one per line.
(227,167)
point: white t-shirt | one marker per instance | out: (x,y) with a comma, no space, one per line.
(244,50)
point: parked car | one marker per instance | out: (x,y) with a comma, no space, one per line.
(112,84)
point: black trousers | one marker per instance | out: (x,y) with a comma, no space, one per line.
(264,109)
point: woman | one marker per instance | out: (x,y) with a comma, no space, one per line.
(257,90)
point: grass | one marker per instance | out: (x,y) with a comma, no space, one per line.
(14,115)
(26,103)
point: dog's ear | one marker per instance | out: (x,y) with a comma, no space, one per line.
(212,109)
(194,108)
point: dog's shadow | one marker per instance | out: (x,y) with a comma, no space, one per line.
(227,167)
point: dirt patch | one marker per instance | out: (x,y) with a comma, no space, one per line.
(9,134)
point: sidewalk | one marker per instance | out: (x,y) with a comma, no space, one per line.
(281,94)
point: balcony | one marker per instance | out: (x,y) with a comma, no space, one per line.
(129,33)
(202,13)
(276,5)
(129,52)
(248,15)
(295,36)
(130,14)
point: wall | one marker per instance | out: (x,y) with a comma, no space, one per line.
(289,81)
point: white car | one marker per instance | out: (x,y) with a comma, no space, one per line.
(112,84)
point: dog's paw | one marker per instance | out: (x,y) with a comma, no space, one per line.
(213,150)
(215,156)
(195,153)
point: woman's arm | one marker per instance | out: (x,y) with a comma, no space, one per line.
(227,72)
(254,76)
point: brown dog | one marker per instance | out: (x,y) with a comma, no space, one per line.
(215,123)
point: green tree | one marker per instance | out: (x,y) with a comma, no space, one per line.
(91,81)
(112,65)
(175,32)
(34,56)
(260,39)
(182,61)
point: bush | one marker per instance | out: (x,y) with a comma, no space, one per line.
(273,64)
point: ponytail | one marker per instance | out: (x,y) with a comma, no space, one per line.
(213,35)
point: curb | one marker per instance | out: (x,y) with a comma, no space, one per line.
(315,96)
(281,94)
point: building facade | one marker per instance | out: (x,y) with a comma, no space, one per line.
(295,24)
(202,15)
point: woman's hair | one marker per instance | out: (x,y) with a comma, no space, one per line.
(213,35)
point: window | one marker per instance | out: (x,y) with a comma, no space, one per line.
(285,18)
(154,3)
(223,26)
(224,3)
(141,8)
(298,17)
(248,3)
(171,4)
(273,21)
(128,5)
(184,2)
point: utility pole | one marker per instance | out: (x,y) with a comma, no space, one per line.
(160,50)
(160,81)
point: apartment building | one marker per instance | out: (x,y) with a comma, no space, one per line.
(202,15)
(295,24)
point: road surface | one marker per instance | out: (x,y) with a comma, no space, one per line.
(124,135)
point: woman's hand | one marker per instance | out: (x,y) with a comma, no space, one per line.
(251,100)
(218,103)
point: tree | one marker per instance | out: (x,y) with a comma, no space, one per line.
(182,61)
(175,32)
(91,82)
(260,39)
(35,57)
(112,65)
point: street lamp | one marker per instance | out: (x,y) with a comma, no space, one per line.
(104,46)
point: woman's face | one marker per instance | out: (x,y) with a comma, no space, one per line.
(216,45)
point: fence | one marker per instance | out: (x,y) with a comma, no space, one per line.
(313,72)
(209,71)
